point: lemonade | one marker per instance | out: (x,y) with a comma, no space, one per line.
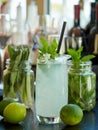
(51,89)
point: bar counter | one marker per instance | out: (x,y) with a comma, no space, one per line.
(89,122)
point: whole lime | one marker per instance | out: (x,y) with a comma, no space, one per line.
(3,104)
(14,113)
(71,114)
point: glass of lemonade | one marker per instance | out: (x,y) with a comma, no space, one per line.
(51,89)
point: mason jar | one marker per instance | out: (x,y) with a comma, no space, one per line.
(18,80)
(81,85)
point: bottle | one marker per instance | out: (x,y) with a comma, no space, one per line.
(19,82)
(92,18)
(93,36)
(4,7)
(81,3)
(76,30)
(32,15)
(77,33)
(82,85)
(19,29)
(17,36)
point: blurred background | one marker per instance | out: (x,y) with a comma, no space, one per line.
(57,10)
(25,21)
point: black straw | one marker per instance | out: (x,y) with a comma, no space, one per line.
(61,37)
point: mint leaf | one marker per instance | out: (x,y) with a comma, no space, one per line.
(77,57)
(48,48)
(75,54)
(88,57)
(44,47)
(52,49)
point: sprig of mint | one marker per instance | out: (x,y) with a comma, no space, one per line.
(48,48)
(77,57)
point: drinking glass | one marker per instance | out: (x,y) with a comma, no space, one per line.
(51,89)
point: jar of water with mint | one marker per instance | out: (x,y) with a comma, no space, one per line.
(81,84)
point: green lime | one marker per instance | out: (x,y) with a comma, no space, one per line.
(71,114)
(14,112)
(3,104)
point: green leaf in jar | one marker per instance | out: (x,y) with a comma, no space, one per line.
(86,58)
(13,77)
(48,48)
(77,56)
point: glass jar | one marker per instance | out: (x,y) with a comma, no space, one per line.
(81,84)
(18,81)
